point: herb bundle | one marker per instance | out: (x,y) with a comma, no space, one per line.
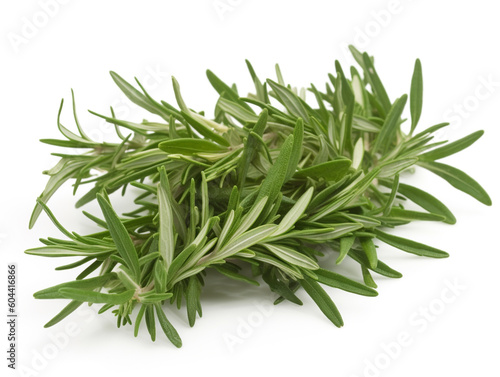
(262,184)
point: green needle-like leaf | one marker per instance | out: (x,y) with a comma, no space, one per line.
(426,201)
(235,275)
(193,292)
(296,154)
(345,245)
(416,95)
(407,215)
(134,95)
(289,100)
(96,297)
(190,147)
(275,178)
(120,236)
(329,171)
(167,242)
(91,283)
(370,251)
(167,327)
(389,129)
(458,179)
(376,83)
(323,301)
(68,309)
(335,280)
(410,246)
(451,148)
(225,91)
(291,256)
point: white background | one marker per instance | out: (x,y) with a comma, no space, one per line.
(75,45)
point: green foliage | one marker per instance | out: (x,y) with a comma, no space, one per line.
(258,187)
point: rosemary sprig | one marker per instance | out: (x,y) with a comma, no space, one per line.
(261,184)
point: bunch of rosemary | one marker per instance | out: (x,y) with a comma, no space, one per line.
(262,184)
